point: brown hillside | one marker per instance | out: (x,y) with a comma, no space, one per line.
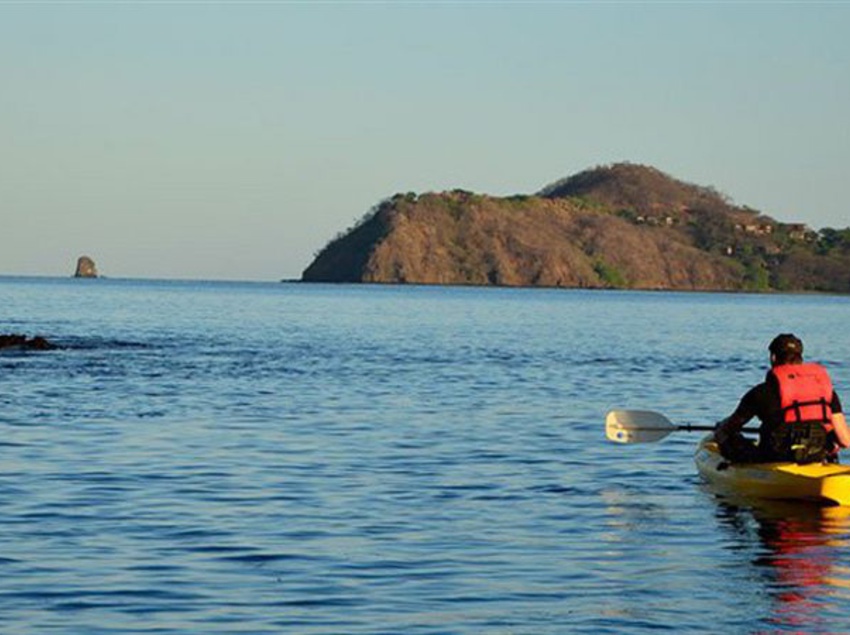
(639,188)
(457,238)
(624,226)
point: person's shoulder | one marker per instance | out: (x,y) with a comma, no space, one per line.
(765,385)
(758,392)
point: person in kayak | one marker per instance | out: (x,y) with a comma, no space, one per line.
(800,413)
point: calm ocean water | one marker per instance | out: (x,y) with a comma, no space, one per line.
(287,458)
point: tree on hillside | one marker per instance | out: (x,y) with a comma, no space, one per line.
(711,231)
(830,240)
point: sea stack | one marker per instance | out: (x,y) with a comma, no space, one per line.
(85,268)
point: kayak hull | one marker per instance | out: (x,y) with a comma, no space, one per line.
(823,483)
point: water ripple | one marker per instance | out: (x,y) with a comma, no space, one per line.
(371,460)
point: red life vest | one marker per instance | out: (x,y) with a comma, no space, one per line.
(805,393)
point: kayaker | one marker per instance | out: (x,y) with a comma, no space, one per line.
(800,413)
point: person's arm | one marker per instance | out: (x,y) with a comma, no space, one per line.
(729,427)
(842,432)
(734,423)
(839,423)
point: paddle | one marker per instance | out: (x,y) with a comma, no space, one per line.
(642,426)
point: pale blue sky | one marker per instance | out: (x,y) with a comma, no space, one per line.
(233,140)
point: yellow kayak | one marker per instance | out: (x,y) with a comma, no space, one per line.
(824,483)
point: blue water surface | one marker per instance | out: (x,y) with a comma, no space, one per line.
(202,457)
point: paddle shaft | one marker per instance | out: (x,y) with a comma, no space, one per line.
(692,428)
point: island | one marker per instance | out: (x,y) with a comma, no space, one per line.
(624,226)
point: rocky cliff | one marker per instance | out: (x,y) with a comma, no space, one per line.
(621,226)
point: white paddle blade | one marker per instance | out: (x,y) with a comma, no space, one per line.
(636,426)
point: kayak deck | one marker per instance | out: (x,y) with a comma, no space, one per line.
(824,483)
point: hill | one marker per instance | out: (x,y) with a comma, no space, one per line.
(618,226)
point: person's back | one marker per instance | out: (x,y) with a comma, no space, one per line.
(800,413)
(802,430)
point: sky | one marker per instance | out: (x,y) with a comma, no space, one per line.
(232,141)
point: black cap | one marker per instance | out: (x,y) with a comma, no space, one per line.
(786,345)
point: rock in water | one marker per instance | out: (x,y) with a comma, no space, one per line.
(85,268)
(15,341)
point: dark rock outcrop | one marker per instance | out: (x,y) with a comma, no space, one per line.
(85,268)
(621,226)
(15,341)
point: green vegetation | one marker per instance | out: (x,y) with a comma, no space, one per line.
(833,241)
(756,276)
(610,275)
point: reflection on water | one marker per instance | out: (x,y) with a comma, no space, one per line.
(797,550)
